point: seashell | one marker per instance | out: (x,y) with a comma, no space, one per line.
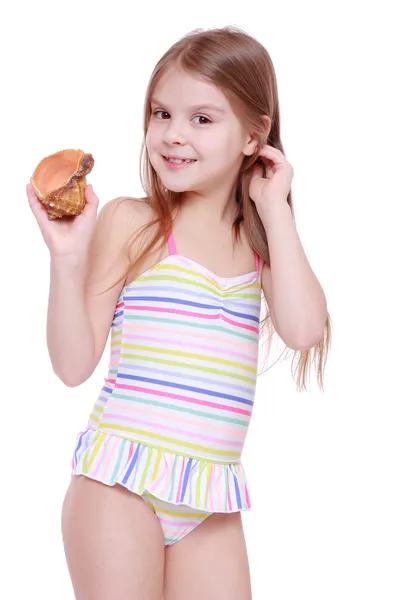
(60,182)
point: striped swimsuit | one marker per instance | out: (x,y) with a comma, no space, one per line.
(171,420)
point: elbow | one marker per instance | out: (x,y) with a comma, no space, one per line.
(305,339)
(72,379)
(304,331)
(71,383)
(303,343)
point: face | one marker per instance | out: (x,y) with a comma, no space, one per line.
(192,119)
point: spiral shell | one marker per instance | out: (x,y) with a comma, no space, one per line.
(59,181)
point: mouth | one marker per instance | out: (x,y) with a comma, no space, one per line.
(178,161)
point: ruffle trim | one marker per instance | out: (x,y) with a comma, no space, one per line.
(173,478)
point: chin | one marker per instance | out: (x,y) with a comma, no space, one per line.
(176,186)
(177,189)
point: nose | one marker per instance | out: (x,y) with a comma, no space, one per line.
(174,133)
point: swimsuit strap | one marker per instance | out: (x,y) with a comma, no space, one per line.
(171,244)
(172,250)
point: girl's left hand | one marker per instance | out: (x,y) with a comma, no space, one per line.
(276,185)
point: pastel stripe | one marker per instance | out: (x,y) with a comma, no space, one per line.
(171,417)
(182,421)
(128,318)
(176,311)
(184,344)
(190,303)
(199,402)
(180,386)
(219,339)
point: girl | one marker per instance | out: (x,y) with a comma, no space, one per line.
(153,508)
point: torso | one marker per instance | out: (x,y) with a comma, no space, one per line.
(219,254)
(183,361)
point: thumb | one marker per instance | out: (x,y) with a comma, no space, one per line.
(92,201)
(91,197)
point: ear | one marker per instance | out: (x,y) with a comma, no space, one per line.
(253,139)
(268,125)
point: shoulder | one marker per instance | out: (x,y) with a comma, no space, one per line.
(125,210)
(110,248)
(119,218)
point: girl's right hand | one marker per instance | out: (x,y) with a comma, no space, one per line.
(66,237)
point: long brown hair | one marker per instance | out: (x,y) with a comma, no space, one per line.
(242,69)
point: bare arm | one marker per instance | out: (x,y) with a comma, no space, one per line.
(79,316)
(294,295)
(70,337)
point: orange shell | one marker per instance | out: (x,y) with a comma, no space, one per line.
(60,181)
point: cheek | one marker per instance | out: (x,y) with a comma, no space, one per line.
(149,140)
(152,141)
(224,150)
(225,142)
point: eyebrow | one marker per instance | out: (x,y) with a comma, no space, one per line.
(195,108)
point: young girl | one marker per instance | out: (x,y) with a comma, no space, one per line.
(154,506)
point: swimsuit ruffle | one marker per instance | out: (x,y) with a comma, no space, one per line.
(200,484)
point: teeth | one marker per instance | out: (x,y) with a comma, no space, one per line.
(179,161)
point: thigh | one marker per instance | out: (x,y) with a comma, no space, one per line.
(113,543)
(210,563)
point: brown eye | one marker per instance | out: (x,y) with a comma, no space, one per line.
(202,117)
(163,112)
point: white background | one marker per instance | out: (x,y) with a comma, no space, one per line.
(323,468)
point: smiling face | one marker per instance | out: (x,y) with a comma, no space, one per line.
(192,119)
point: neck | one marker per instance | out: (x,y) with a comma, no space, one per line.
(216,206)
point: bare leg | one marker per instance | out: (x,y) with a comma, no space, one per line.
(210,563)
(113,543)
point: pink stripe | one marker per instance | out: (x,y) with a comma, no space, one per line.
(181,344)
(190,314)
(177,523)
(157,426)
(250,327)
(171,244)
(170,533)
(210,497)
(167,486)
(180,482)
(182,330)
(98,461)
(160,479)
(229,496)
(189,422)
(247,496)
(135,388)
(218,487)
(111,456)
(129,455)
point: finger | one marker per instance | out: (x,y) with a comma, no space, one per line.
(272,149)
(257,172)
(272,153)
(39,211)
(267,156)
